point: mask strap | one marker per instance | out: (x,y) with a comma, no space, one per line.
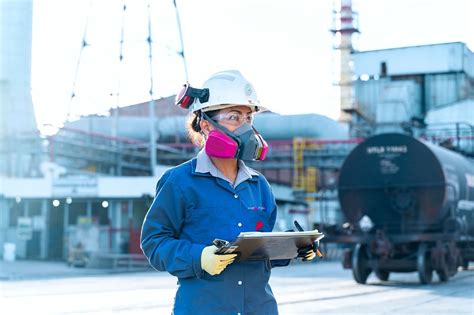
(255,130)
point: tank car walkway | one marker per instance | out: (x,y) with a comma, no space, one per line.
(313,288)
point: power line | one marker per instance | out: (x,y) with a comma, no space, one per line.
(181,52)
(117,92)
(84,45)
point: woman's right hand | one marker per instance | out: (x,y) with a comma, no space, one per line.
(214,264)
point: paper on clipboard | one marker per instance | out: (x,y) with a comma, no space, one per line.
(270,245)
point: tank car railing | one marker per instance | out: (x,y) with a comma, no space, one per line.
(411,227)
(390,186)
(457,136)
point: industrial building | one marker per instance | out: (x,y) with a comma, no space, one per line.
(92,182)
(410,84)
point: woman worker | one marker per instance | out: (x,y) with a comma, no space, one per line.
(215,195)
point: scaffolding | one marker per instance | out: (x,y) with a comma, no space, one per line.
(20,155)
(298,164)
(304,177)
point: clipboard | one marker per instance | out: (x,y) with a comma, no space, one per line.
(269,245)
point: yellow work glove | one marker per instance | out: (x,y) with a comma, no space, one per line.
(309,255)
(214,264)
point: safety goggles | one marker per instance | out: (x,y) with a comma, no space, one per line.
(185,98)
(234,118)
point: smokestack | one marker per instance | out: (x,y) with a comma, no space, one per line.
(16,106)
(345,23)
(19,141)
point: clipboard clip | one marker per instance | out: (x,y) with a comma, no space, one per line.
(220,243)
(316,244)
(223,247)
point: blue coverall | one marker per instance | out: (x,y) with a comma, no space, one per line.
(189,211)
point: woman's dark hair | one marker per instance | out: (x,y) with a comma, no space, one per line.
(193,127)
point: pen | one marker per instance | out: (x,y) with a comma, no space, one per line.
(298,226)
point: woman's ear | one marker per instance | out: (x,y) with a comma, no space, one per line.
(204,124)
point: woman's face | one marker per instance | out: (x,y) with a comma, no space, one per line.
(230,117)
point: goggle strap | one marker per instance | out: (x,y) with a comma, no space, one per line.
(221,128)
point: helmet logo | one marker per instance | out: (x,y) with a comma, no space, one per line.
(248,89)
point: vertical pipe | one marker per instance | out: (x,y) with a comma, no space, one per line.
(45,232)
(471,138)
(130,224)
(423,103)
(151,105)
(130,210)
(65,230)
(109,221)
(26,208)
(151,113)
(51,148)
(457,136)
(89,210)
(118,225)
(4,220)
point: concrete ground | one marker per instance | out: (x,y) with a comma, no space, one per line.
(32,269)
(310,288)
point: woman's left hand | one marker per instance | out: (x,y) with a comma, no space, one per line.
(310,252)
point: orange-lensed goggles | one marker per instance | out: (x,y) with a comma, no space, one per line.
(185,98)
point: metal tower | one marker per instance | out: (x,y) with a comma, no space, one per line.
(345,24)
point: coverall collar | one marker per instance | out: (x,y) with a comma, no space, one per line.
(204,165)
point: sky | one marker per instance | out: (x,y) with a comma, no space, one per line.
(283,47)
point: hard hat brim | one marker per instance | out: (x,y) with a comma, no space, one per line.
(254,108)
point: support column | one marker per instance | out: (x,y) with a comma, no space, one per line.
(45,232)
(4,222)
(89,210)
(26,208)
(110,224)
(130,212)
(117,225)
(65,230)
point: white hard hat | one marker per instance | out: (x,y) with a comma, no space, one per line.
(228,88)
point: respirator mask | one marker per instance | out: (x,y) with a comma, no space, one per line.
(245,143)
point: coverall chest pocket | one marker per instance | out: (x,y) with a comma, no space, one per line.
(259,219)
(208,223)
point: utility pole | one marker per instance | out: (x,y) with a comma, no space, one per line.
(151,104)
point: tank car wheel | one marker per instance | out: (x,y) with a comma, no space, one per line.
(360,264)
(443,274)
(465,264)
(423,264)
(443,271)
(383,275)
(449,262)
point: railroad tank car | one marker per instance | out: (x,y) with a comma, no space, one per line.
(409,206)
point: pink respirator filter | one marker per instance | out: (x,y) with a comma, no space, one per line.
(263,154)
(220,145)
